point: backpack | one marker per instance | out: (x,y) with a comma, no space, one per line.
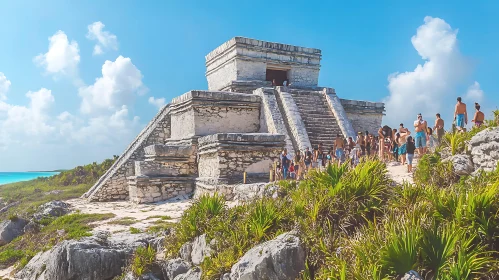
(386,131)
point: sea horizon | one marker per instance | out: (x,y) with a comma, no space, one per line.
(21,176)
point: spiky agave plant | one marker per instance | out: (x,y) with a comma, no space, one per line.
(262,217)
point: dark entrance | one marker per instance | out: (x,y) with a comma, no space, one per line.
(278,75)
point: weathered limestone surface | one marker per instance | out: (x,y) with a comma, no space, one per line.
(293,120)
(113,184)
(364,115)
(485,149)
(271,119)
(245,59)
(200,113)
(167,171)
(339,113)
(224,157)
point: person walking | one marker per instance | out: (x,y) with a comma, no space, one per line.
(339,149)
(285,163)
(439,128)
(308,158)
(411,148)
(402,141)
(460,114)
(297,161)
(479,116)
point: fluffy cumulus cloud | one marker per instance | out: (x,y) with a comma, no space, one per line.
(121,81)
(62,57)
(158,102)
(474,93)
(4,86)
(22,123)
(105,39)
(426,88)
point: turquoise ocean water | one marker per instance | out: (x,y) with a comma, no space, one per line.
(12,177)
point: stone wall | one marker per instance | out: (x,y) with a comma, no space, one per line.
(167,171)
(253,57)
(224,157)
(293,119)
(364,115)
(339,113)
(113,184)
(271,119)
(145,189)
(199,113)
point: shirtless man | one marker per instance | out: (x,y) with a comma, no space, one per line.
(420,126)
(339,148)
(479,116)
(403,129)
(439,128)
(460,115)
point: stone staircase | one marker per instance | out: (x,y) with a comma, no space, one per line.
(320,123)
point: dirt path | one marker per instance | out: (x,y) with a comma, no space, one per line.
(398,172)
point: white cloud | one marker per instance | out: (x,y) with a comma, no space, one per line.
(23,121)
(158,102)
(105,39)
(4,86)
(62,57)
(474,93)
(424,89)
(119,84)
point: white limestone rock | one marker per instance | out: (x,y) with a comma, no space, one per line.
(278,259)
(11,229)
(172,268)
(462,164)
(192,274)
(54,208)
(200,249)
(485,149)
(186,251)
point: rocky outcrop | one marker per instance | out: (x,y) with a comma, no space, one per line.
(200,249)
(147,276)
(462,164)
(279,259)
(54,208)
(11,229)
(186,251)
(411,275)
(93,258)
(172,268)
(192,274)
(485,149)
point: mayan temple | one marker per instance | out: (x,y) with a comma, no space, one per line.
(205,140)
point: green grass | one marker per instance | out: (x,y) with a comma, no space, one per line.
(125,221)
(142,260)
(72,226)
(165,217)
(31,194)
(135,230)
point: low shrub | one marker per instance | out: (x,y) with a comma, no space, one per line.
(142,260)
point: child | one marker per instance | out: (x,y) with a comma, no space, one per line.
(292,173)
(410,147)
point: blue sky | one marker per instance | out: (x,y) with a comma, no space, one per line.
(60,110)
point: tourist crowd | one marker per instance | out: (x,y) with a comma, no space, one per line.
(390,144)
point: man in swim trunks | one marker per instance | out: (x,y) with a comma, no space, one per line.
(460,115)
(479,116)
(439,128)
(339,147)
(420,126)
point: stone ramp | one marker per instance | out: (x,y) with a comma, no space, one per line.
(113,184)
(320,123)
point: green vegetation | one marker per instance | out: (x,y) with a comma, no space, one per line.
(135,230)
(31,194)
(73,226)
(142,260)
(166,217)
(356,225)
(65,185)
(125,221)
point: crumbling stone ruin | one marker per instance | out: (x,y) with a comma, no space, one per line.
(261,97)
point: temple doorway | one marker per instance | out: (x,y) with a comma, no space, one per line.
(278,75)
